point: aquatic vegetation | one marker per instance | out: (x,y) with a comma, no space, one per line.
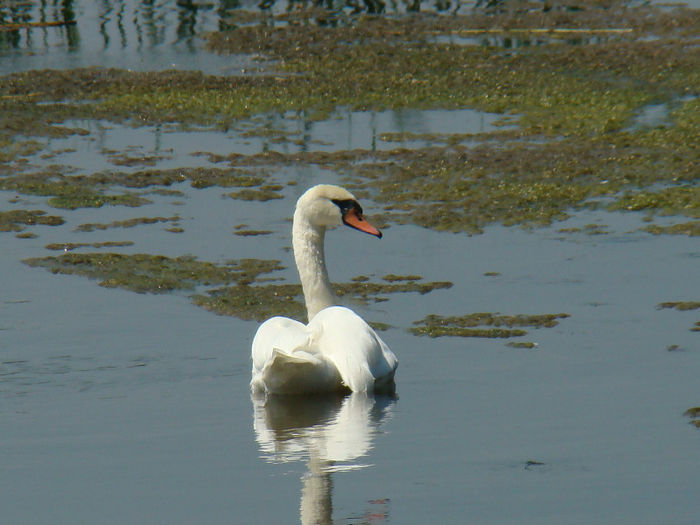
(264,193)
(680,305)
(144,273)
(365,290)
(70,192)
(255,302)
(82,191)
(589,229)
(576,137)
(521,344)
(674,200)
(589,92)
(379,327)
(532,464)
(483,325)
(694,415)
(70,246)
(124,159)
(380,63)
(252,233)
(128,223)
(17,220)
(393,278)
(691,228)
(260,302)
(247,298)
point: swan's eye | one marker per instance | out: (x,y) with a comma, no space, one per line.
(348,205)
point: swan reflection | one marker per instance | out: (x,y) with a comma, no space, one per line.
(330,433)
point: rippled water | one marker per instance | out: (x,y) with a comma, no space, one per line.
(118,407)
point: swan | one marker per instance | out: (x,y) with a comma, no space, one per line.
(337,350)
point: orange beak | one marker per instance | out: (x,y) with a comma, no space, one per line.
(354,219)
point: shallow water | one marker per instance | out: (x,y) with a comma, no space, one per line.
(109,143)
(122,407)
(118,407)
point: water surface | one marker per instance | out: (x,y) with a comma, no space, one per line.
(117,407)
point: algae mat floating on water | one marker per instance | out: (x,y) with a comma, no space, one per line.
(579,140)
(248,299)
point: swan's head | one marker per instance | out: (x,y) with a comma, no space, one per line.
(326,205)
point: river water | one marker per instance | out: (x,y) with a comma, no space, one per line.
(117,407)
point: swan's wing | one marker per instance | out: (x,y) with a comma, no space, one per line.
(285,360)
(277,332)
(359,354)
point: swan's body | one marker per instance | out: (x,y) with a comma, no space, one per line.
(337,350)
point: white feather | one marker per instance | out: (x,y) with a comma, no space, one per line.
(337,350)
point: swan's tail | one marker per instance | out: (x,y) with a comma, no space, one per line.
(297,372)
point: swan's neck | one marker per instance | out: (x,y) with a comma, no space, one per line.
(307,241)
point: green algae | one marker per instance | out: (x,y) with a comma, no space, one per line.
(680,305)
(18,220)
(380,63)
(199,177)
(675,200)
(68,192)
(459,331)
(91,191)
(379,327)
(359,67)
(260,302)
(254,302)
(144,273)
(589,229)
(487,325)
(86,199)
(694,415)
(264,193)
(124,159)
(70,246)
(591,93)
(365,290)
(690,228)
(252,233)
(521,344)
(465,189)
(128,223)
(579,109)
(393,278)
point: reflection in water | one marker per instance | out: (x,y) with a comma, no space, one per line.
(330,433)
(143,35)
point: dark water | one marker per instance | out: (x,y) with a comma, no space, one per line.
(120,408)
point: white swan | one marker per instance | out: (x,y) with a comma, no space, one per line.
(337,350)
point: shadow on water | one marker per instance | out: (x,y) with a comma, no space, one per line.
(331,434)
